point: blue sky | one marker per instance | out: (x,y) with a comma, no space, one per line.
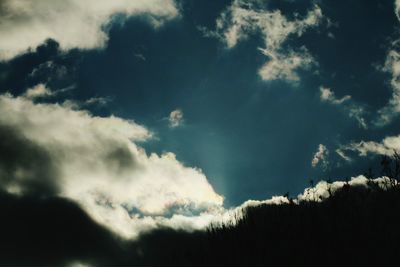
(259,87)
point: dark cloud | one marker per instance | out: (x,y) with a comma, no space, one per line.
(25,163)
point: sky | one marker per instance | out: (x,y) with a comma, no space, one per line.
(166,112)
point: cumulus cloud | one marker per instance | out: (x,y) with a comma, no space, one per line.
(320,157)
(244,18)
(175,118)
(72,23)
(52,149)
(353,110)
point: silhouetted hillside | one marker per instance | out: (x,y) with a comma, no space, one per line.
(357,225)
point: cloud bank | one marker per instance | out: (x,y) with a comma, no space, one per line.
(54,150)
(72,23)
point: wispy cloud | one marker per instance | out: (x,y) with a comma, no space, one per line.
(244,18)
(38,91)
(391,66)
(320,157)
(175,118)
(328,96)
(387,146)
(353,109)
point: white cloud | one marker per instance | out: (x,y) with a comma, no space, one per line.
(320,156)
(328,96)
(101,101)
(387,146)
(323,189)
(285,66)
(243,18)
(38,91)
(79,24)
(353,110)
(175,118)
(397,9)
(392,66)
(343,155)
(357,112)
(320,192)
(95,161)
(275,200)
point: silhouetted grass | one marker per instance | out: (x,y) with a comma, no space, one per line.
(355,226)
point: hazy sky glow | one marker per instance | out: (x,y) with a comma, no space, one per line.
(172,113)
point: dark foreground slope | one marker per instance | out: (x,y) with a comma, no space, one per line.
(354,227)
